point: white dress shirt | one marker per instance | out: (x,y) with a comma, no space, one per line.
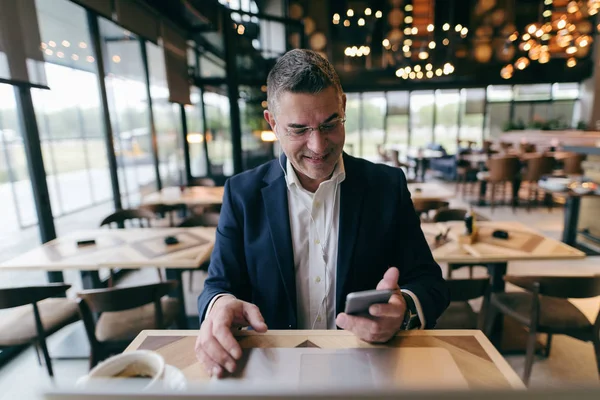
(315,248)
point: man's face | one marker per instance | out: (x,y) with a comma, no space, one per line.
(315,153)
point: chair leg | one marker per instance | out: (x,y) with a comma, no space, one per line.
(529,199)
(111,278)
(36,348)
(531,342)
(191,281)
(160,277)
(493,196)
(449,271)
(490,317)
(47,359)
(548,345)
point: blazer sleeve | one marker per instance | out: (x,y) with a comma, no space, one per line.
(227,272)
(420,273)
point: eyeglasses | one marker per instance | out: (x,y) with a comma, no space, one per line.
(327,127)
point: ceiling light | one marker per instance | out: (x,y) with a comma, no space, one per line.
(527,46)
(407,31)
(75,57)
(446,42)
(52,43)
(361,22)
(571,62)
(547,14)
(82,45)
(48,52)
(368,11)
(513,37)
(429,67)
(571,50)
(531,29)
(407,69)
(336,17)
(90,59)
(526,37)
(507,71)
(367,50)
(539,33)
(414,30)
(458,28)
(429,74)
(419,75)
(417,68)
(346,23)
(408,42)
(522,63)
(430,28)
(572,7)
(546,37)
(405,49)
(336,21)
(116,59)
(60,54)
(386,43)
(350,12)
(423,55)
(399,72)
(432,45)
(464,31)
(446,26)
(412,75)
(408,19)
(438,72)
(407,55)
(378,14)
(43,46)
(544,57)
(241,29)
(547,2)
(66,43)
(561,24)
(408,7)
(582,41)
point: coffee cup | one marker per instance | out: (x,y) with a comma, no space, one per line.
(141,367)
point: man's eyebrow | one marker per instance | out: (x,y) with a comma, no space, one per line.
(331,117)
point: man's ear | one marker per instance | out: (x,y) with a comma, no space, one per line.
(270,119)
(344,103)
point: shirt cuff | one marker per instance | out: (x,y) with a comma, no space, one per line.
(217,297)
(417,306)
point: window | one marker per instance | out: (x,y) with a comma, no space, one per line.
(255,150)
(447,103)
(397,117)
(18,231)
(218,135)
(69,115)
(352,125)
(569,91)
(498,118)
(421,117)
(373,109)
(533,92)
(472,114)
(167,121)
(499,93)
(129,113)
(195,136)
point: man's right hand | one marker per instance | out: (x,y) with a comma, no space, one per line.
(216,347)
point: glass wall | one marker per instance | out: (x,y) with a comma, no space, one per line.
(352,144)
(18,231)
(167,121)
(69,115)
(447,104)
(397,117)
(374,110)
(129,112)
(195,136)
(218,135)
(472,114)
(421,117)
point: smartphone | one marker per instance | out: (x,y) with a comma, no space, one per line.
(359,302)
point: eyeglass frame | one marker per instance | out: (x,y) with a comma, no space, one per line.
(296,137)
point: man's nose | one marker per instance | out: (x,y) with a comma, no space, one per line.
(317,142)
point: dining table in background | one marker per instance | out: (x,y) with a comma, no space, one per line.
(465,354)
(429,191)
(190,196)
(122,249)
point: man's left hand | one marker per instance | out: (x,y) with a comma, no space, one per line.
(385,320)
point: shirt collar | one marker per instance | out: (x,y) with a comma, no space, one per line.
(338,176)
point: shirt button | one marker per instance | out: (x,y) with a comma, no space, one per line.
(317,241)
(318,279)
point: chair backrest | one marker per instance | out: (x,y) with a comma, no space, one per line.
(468,289)
(142,216)
(422,206)
(20,296)
(203,182)
(503,168)
(538,166)
(165,209)
(572,164)
(450,214)
(527,147)
(126,297)
(575,287)
(205,219)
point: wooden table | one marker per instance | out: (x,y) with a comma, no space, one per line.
(477,360)
(523,244)
(429,191)
(122,248)
(190,196)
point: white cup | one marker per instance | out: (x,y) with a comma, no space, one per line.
(140,367)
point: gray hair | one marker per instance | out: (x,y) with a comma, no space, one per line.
(300,71)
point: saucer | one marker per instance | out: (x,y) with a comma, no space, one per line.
(174,379)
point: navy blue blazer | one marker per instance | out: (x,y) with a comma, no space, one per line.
(378,228)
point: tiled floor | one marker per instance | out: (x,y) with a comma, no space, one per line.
(571,361)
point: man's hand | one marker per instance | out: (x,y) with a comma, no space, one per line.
(385,320)
(216,347)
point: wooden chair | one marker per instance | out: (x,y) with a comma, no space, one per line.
(206,219)
(423,207)
(544,308)
(35,314)
(169,210)
(536,167)
(457,214)
(123,313)
(502,170)
(135,218)
(464,170)
(460,314)
(572,164)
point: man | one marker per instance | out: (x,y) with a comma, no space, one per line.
(299,233)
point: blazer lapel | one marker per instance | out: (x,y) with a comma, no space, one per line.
(276,209)
(351,199)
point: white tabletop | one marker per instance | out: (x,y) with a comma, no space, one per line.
(191,196)
(429,191)
(120,248)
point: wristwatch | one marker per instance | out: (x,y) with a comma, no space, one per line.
(411,317)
